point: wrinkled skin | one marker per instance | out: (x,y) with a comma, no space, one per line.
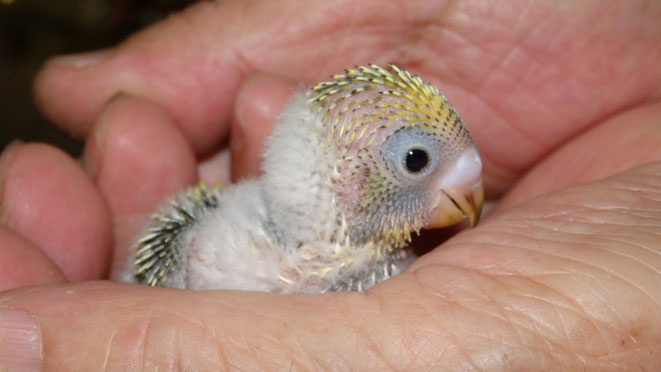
(562,275)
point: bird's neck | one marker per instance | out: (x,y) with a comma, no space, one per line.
(308,184)
(296,185)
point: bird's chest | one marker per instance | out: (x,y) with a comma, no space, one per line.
(328,267)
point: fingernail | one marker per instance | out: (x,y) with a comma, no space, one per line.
(93,154)
(243,95)
(239,122)
(237,133)
(237,138)
(237,145)
(4,158)
(20,341)
(9,149)
(83,60)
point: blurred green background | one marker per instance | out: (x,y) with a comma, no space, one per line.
(31,31)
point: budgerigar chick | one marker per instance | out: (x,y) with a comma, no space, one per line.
(352,169)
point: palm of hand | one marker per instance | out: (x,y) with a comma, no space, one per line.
(565,279)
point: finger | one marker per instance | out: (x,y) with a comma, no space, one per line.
(260,100)
(47,198)
(188,89)
(138,158)
(258,104)
(23,264)
(166,328)
(171,64)
(192,65)
(627,140)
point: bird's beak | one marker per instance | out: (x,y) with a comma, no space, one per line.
(457,205)
(461,193)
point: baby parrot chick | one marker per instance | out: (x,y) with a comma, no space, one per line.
(352,169)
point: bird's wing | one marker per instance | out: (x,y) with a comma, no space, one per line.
(157,256)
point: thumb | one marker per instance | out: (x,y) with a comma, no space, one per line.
(97,325)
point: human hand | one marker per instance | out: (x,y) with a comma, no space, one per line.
(566,280)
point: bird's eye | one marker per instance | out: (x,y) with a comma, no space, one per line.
(411,155)
(416,160)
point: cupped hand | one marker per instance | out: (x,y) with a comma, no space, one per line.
(555,94)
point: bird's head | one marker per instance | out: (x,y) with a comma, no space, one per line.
(403,159)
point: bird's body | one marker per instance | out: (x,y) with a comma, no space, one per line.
(258,258)
(350,171)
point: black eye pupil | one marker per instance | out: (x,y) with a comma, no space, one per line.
(416,160)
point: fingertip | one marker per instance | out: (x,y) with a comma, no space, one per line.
(167,63)
(259,101)
(47,198)
(93,151)
(23,264)
(139,158)
(62,75)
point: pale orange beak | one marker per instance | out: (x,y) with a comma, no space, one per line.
(456,206)
(462,193)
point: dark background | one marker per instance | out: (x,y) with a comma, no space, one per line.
(31,31)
